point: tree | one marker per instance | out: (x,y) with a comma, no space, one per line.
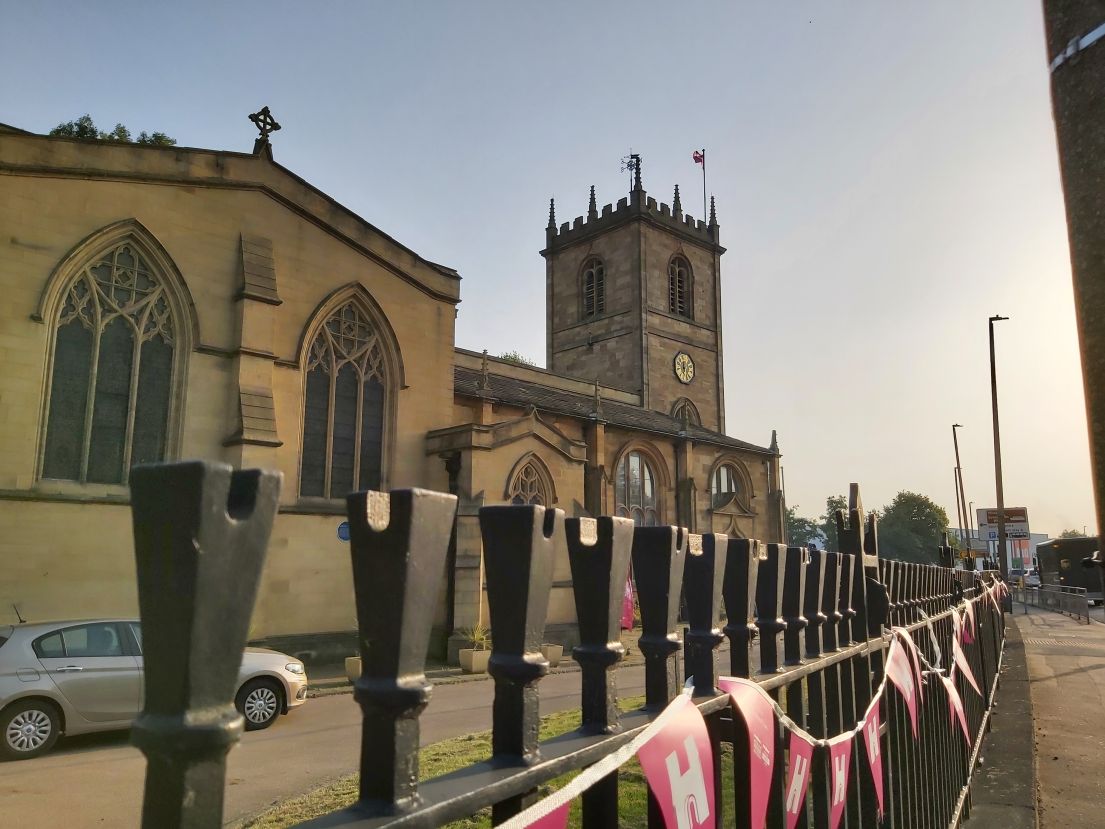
(801,531)
(517,357)
(84,127)
(1071,534)
(911,528)
(828,521)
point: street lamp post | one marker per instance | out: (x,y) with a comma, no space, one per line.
(962,505)
(1002,564)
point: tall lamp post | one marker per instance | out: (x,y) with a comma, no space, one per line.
(1002,564)
(962,505)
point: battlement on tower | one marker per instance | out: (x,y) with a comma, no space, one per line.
(637,205)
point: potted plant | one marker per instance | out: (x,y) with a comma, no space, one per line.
(553,653)
(473,660)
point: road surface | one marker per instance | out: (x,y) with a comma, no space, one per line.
(96,780)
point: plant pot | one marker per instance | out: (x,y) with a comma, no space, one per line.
(473,661)
(353,668)
(553,653)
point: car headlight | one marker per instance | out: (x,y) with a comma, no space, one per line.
(294,667)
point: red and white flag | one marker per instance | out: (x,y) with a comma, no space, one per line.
(971,626)
(679,768)
(871,726)
(840,762)
(556,819)
(758,713)
(955,707)
(798,777)
(699,156)
(899,670)
(959,658)
(914,658)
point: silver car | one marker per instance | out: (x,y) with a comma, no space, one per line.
(82,676)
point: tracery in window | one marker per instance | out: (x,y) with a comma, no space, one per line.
(730,486)
(344,405)
(113,371)
(685,411)
(679,287)
(635,490)
(594,287)
(529,486)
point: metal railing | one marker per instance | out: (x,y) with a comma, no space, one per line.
(821,618)
(1073,601)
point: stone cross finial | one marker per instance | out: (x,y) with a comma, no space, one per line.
(552,215)
(677,204)
(592,207)
(485,376)
(713,214)
(265,123)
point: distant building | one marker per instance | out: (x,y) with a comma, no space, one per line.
(165,303)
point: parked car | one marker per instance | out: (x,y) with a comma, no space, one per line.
(1032,578)
(77,677)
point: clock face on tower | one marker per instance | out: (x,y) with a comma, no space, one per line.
(684,367)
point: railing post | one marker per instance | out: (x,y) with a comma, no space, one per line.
(398,539)
(200,534)
(598,553)
(519,543)
(769,588)
(742,567)
(703,575)
(793,603)
(811,605)
(658,554)
(847,613)
(830,602)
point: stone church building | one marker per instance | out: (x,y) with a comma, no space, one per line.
(166,302)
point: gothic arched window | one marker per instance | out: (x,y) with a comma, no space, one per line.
(635,490)
(344,406)
(529,485)
(113,370)
(679,287)
(685,410)
(594,287)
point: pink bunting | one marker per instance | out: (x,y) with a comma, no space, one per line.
(915,659)
(840,756)
(992,592)
(955,707)
(959,659)
(798,777)
(900,672)
(556,819)
(758,714)
(971,628)
(679,768)
(871,726)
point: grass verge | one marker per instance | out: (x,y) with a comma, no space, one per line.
(449,755)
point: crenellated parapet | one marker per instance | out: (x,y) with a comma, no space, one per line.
(638,205)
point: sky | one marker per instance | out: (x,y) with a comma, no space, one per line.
(885,174)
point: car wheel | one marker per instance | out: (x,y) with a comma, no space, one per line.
(260,702)
(28,728)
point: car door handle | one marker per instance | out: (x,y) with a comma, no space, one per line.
(68,669)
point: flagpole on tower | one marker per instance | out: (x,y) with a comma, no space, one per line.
(699,157)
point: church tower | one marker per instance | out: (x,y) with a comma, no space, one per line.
(633,300)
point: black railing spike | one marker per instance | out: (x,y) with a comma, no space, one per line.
(599,552)
(793,603)
(519,545)
(815,618)
(398,539)
(847,612)
(658,554)
(703,576)
(830,603)
(200,534)
(769,619)
(742,568)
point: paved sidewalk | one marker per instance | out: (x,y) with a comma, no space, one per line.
(1066,668)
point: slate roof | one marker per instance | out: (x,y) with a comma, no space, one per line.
(523,393)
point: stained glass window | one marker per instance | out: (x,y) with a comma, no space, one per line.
(112,371)
(528,486)
(343,419)
(635,490)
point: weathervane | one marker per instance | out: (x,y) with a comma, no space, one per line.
(632,163)
(266,124)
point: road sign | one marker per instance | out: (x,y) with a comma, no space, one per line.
(980,545)
(343,531)
(1016,523)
